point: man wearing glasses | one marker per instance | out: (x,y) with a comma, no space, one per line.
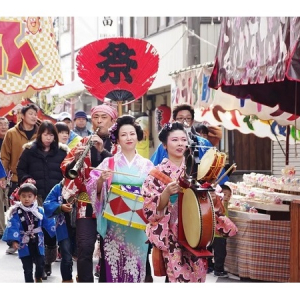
(183,113)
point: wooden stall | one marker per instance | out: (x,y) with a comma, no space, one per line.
(260,250)
(267,245)
(295,242)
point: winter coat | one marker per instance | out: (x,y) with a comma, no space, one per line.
(11,148)
(44,169)
(14,230)
(83,132)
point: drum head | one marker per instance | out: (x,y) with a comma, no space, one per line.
(206,162)
(191,220)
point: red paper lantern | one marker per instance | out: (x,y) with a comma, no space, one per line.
(162,116)
(118,68)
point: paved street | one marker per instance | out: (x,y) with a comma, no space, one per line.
(11,270)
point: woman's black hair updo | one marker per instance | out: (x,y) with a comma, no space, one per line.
(167,129)
(125,120)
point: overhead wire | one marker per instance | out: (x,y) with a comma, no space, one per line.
(193,34)
(174,45)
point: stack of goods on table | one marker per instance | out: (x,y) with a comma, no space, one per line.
(264,192)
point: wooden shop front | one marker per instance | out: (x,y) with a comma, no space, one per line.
(267,246)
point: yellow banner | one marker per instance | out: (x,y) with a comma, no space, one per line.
(29,59)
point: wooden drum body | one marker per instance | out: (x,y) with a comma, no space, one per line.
(125,208)
(211,165)
(196,221)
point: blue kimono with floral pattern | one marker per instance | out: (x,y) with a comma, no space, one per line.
(14,230)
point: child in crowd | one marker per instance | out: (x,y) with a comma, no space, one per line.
(224,228)
(24,231)
(64,213)
(202,130)
(14,197)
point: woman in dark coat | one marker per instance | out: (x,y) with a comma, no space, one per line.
(41,161)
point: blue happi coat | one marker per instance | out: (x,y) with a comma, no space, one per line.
(14,230)
(51,205)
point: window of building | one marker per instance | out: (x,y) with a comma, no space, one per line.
(134,107)
(139,27)
(162,23)
(64,24)
(152,25)
(174,20)
(145,26)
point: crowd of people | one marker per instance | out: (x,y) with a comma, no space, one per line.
(66,190)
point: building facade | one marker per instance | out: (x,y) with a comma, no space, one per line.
(177,40)
(182,42)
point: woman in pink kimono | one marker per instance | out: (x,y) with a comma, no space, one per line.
(161,209)
(125,247)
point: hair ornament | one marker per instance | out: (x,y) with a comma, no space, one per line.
(112,133)
(168,126)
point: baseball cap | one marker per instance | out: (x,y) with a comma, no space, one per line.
(64,115)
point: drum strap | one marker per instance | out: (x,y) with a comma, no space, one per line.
(160,176)
(111,165)
(159,267)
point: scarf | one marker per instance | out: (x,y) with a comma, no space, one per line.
(33,209)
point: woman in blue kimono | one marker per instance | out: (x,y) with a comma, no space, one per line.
(122,228)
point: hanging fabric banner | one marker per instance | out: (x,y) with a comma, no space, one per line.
(258,58)
(29,59)
(217,107)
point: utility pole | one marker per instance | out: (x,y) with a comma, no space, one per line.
(193,23)
(72,62)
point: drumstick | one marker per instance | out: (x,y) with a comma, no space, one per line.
(121,173)
(214,184)
(198,146)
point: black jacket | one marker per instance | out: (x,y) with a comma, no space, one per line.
(43,167)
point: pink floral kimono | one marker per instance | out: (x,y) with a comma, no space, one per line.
(182,266)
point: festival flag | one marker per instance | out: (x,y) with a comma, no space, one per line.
(29,59)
